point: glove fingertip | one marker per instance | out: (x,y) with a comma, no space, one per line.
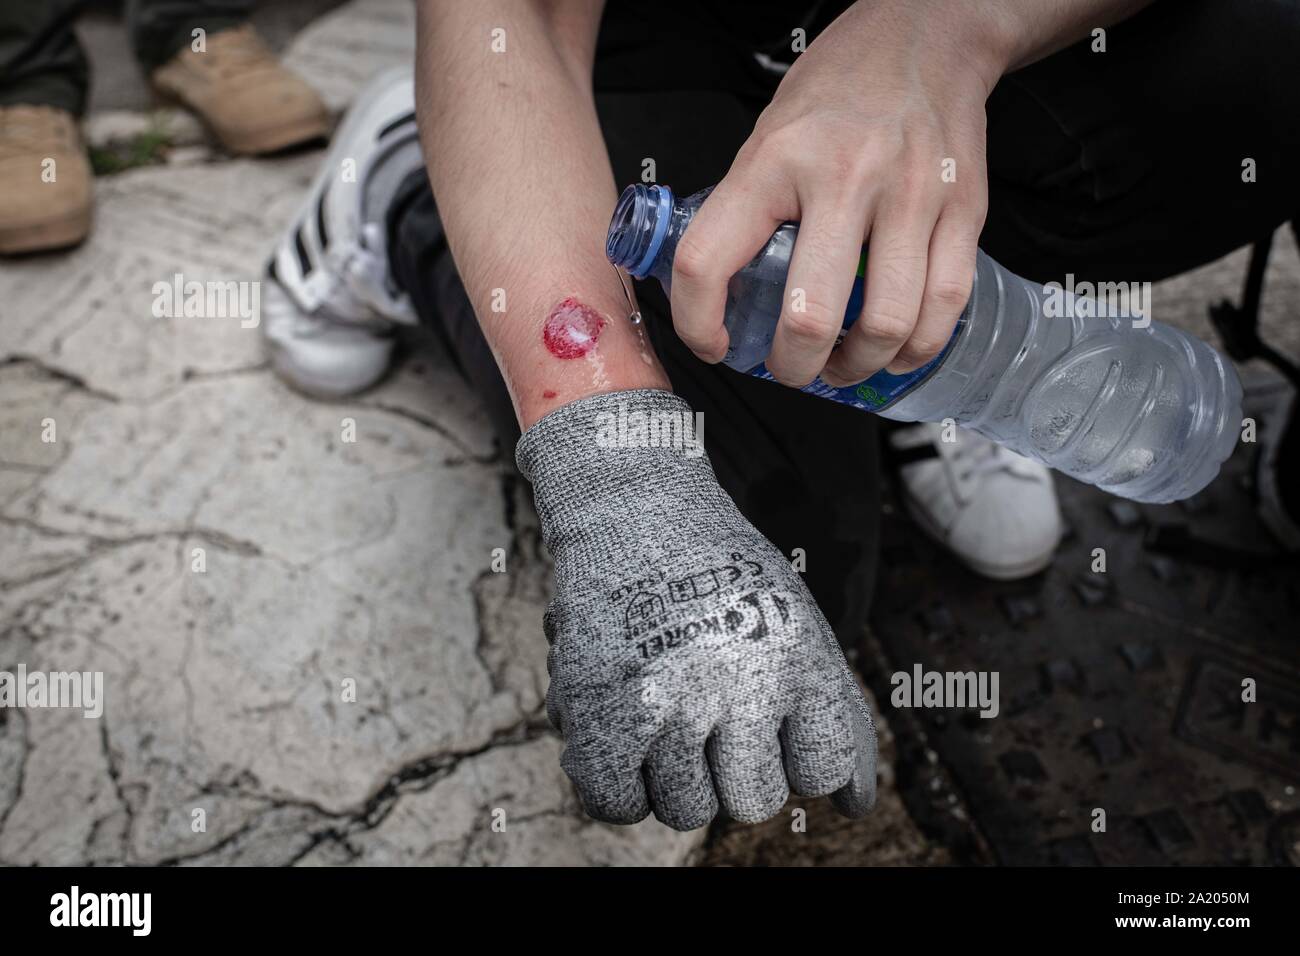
(609,793)
(621,812)
(857,797)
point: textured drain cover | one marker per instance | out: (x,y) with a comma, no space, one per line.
(1121,693)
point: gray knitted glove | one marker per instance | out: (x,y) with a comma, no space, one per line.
(689,664)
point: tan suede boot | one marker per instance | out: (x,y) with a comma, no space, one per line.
(242,92)
(45,181)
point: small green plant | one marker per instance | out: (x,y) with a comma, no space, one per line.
(147,148)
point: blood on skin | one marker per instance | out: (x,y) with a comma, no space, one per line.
(571,330)
(548,394)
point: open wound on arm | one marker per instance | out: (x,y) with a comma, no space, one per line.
(571,329)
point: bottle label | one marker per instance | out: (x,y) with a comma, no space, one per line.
(875,394)
(882,389)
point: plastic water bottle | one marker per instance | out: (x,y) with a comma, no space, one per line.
(1134,407)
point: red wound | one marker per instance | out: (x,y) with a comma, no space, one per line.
(548,394)
(571,330)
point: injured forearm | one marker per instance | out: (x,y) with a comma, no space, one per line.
(525,215)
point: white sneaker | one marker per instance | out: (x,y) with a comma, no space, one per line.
(330,310)
(995,510)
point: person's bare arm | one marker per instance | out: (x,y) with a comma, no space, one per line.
(525,190)
(1028,30)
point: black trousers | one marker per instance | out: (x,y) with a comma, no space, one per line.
(41,62)
(1124,165)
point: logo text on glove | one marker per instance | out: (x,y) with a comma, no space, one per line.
(745,619)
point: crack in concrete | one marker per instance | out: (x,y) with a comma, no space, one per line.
(188,377)
(183,672)
(115,777)
(371,639)
(212,536)
(38,576)
(482,636)
(228,840)
(199,375)
(472,839)
(101,545)
(415,776)
(432,424)
(22,770)
(509,483)
(76,382)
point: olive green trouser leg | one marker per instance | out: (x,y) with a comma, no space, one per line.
(161,27)
(42,63)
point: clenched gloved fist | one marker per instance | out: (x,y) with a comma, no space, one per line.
(689,664)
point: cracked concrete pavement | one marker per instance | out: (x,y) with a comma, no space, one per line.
(323,561)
